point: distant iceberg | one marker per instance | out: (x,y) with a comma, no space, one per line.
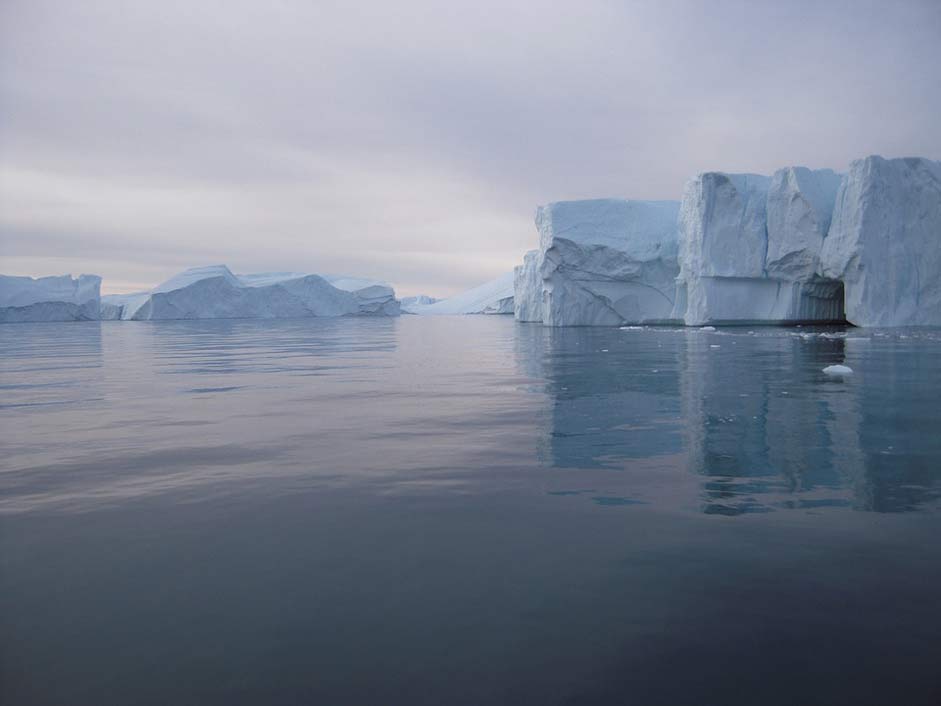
(494,297)
(62,298)
(214,292)
(417,300)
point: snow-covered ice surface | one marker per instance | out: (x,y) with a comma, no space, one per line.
(61,298)
(885,242)
(601,262)
(216,293)
(494,297)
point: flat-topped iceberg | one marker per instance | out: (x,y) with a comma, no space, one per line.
(601,262)
(61,298)
(884,243)
(216,293)
(800,246)
(750,245)
(494,297)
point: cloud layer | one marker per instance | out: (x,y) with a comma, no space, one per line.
(411,141)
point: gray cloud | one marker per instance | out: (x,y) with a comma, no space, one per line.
(411,141)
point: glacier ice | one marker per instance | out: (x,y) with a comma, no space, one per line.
(801,245)
(373,297)
(61,298)
(527,288)
(494,297)
(215,292)
(601,262)
(749,248)
(884,242)
(800,206)
(417,300)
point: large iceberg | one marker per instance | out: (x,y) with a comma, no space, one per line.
(494,297)
(749,248)
(884,242)
(61,298)
(601,262)
(214,292)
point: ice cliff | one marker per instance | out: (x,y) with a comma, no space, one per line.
(750,246)
(600,262)
(214,292)
(884,243)
(494,297)
(49,298)
(799,246)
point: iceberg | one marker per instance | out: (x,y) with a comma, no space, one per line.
(884,243)
(604,262)
(750,245)
(494,297)
(373,297)
(418,300)
(214,292)
(61,298)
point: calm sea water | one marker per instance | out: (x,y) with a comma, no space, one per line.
(467,511)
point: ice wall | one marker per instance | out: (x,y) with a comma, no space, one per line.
(884,243)
(750,245)
(61,298)
(601,262)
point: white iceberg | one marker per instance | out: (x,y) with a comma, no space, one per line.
(603,262)
(494,297)
(373,297)
(838,370)
(750,245)
(884,242)
(216,293)
(418,300)
(61,298)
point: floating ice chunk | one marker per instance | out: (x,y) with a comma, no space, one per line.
(838,370)
(494,297)
(707,328)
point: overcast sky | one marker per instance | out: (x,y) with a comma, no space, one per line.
(411,141)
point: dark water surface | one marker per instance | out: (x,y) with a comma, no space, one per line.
(467,511)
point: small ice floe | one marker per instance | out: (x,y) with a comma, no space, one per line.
(632,328)
(715,345)
(707,328)
(838,370)
(604,350)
